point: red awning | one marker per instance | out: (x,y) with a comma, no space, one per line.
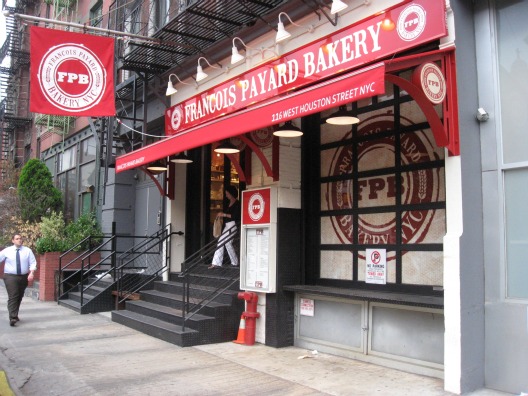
(344,89)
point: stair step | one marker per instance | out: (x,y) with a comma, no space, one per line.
(168,314)
(178,284)
(76,296)
(93,290)
(157,328)
(175,301)
(197,291)
(225,270)
(71,304)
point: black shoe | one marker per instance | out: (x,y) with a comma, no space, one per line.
(12,322)
(18,320)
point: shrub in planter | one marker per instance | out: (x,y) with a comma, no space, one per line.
(85,226)
(53,238)
(59,237)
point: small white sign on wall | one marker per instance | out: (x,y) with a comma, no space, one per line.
(376,268)
(307,307)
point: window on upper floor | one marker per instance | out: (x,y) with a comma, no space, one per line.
(96,14)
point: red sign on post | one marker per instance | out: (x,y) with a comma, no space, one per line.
(256,206)
(72,74)
(415,23)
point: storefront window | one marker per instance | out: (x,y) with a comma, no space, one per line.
(67,159)
(74,169)
(516,191)
(87,175)
(87,150)
(67,183)
(381,186)
(50,163)
(512,31)
(513,69)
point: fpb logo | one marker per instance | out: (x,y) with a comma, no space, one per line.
(432,80)
(72,77)
(411,22)
(176,118)
(256,207)
(422,186)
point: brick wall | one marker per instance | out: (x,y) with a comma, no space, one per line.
(49,268)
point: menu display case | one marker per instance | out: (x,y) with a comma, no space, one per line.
(258,263)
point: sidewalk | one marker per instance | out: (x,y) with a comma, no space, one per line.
(55,351)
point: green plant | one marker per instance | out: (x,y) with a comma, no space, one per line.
(53,236)
(59,237)
(85,226)
(36,192)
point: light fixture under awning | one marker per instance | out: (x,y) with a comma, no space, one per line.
(344,89)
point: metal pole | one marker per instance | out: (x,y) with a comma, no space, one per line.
(113,263)
(84,27)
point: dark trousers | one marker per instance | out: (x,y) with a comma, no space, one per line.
(15,286)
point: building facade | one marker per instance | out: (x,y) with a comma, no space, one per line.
(399,238)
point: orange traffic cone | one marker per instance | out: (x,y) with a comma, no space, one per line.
(241,338)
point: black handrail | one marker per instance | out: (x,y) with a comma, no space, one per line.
(190,267)
(120,262)
(83,257)
(129,283)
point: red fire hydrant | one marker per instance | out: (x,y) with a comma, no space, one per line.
(250,315)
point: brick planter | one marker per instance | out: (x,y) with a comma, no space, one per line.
(49,268)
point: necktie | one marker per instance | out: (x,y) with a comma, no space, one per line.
(19,267)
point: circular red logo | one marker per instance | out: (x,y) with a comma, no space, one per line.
(421,186)
(256,207)
(175,118)
(262,137)
(238,143)
(432,80)
(411,22)
(72,77)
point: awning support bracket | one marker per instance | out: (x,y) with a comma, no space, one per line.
(446,133)
(439,133)
(156,182)
(271,172)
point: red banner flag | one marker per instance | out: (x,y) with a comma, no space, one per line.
(72,74)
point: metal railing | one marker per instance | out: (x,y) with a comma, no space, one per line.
(130,270)
(90,261)
(143,264)
(206,287)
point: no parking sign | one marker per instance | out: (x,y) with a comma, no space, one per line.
(376,268)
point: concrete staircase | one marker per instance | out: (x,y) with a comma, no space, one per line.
(159,311)
(97,298)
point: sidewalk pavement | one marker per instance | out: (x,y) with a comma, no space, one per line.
(56,351)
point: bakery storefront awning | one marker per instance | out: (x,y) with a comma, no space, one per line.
(333,93)
(276,91)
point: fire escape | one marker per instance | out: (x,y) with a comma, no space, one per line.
(186,30)
(15,119)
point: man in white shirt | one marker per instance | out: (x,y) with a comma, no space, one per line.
(19,269)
